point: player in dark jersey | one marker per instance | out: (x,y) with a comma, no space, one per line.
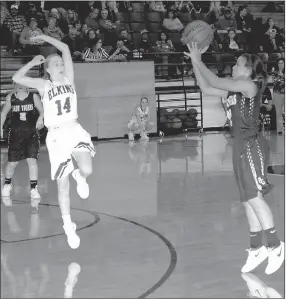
(243,93)
(23,138)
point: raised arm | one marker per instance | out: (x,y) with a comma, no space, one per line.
(21,78)
(216,82)
(205,87)
(66,54)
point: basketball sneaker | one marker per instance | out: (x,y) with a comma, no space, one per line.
(6,190)
(35,193)
(255,258)
(74,270)
(131,136)
(257,289)
(73,238)
(276,258)
(82,186)
(144,137)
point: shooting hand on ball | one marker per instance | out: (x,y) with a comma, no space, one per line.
(195,54)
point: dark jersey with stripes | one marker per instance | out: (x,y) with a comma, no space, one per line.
(243,114)
(23,112)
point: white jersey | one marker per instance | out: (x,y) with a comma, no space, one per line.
(60,103)
(143,114)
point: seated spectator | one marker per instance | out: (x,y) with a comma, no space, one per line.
(62,23)
(92,20)
(31,47)
(77,25)
(84,31)
(144,45)
(230,42)
(226,22)
(36,14)
(279,93)
(90,39)
(214,13)
(96,52)
(53,30)
(230,5)
(270,24)
(111,6)
(172,23)
(120,53)
(75,43)
(244,24)
(126,37)
(164,44)
(272,45)
(15,24)
(156,6)
(107,27)
(71,17)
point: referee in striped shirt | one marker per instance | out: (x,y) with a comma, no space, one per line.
(95,52)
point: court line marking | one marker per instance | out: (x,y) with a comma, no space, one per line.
(171,248)
(96,220)
(169,245)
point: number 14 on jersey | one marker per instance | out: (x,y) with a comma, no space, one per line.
(66,106)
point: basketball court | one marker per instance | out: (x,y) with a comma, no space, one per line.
(163,220)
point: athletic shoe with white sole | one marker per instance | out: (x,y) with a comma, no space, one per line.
(255,258)
(6,190)
(144,137)
(73,238)
(131,136)
(276,258)
(82,186)
(35,193)
(258,289)
(7,201)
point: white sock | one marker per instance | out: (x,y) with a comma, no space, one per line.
(67,219)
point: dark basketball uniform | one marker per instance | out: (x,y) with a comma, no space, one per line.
(267,117)
(23,139)
(250,150)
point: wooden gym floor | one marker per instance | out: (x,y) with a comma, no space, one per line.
(163,221)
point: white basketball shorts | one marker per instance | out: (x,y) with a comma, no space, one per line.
(61,142)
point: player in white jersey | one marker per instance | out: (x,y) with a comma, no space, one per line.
(140,121)
(66,138)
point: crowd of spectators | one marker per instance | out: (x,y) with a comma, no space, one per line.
(94,30)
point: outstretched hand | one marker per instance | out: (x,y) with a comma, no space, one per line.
(195,53)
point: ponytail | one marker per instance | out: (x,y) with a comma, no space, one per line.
(258,71)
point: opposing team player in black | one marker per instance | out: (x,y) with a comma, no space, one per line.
(243,93)
(23,137)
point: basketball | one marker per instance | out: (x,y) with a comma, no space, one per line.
(198,32)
